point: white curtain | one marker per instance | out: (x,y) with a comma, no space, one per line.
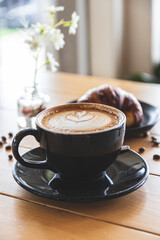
(120,37)
(115,37)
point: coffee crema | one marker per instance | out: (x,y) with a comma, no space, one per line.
(79,120)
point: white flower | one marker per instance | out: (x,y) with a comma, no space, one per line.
(74,23)
(57,37)
(40,28)
(37,36)
(52,9)
(34,40)
(52,62)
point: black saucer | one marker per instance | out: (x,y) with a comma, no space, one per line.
(125,175)
(151,117)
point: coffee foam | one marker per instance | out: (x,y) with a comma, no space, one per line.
(79,120)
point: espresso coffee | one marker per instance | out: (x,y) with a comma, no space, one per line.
(79,119)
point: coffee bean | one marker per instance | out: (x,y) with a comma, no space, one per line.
(154,138)
(8,147)
(156,157)
(3,138)
(1,143)
(156,143)
(141,150)
(10,157)
(10,134)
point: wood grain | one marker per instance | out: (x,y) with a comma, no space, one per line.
(113,219)
(24,220)
(130,210)
(65,82)
(74,86)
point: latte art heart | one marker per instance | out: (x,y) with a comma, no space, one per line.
(80,116)
(79,120)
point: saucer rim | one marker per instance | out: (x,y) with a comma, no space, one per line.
(89,199)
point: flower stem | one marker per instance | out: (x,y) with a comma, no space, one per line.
(34,80)
(52,19)
(59,23)
(35,73)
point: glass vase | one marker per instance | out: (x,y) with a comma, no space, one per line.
(30,104)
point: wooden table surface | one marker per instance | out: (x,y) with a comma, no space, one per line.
(24,215)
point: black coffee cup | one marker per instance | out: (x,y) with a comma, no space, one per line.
(74,155)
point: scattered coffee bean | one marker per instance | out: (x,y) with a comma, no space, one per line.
(10,157)
(153,139)
(156,143)
(141,150)
(3,138)
(10,134)
(1,143)
(8,148)
(156,157)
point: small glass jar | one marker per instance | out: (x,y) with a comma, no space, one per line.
(29,105)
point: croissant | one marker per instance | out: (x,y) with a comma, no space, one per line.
(118,98)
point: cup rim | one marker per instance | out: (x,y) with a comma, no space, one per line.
(120,113)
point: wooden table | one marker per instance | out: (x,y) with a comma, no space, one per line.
(24,215)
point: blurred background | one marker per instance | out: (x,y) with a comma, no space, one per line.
(115,38)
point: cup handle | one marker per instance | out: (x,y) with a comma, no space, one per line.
(15,146)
